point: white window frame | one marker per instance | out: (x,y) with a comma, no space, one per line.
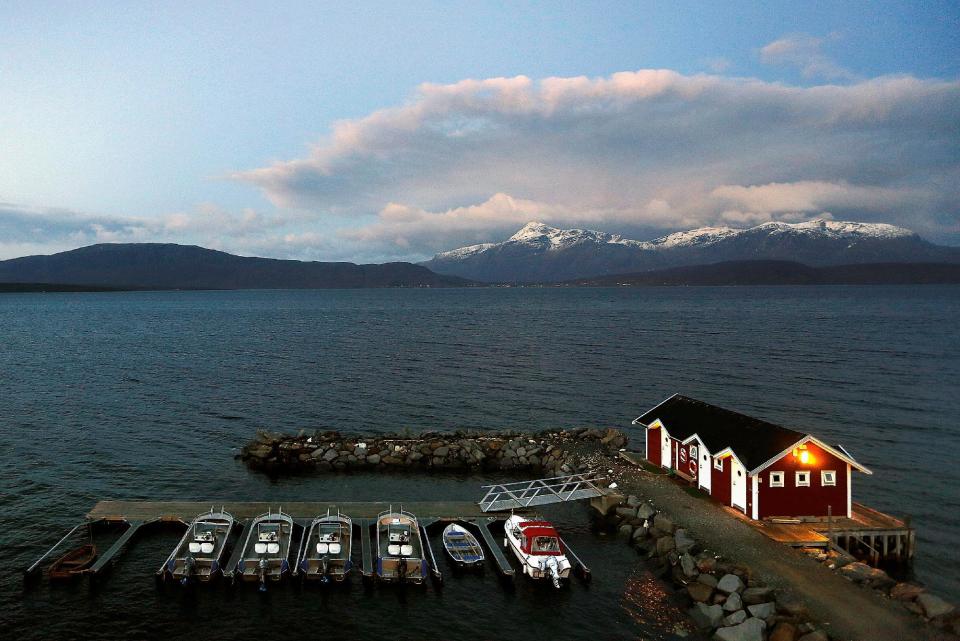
(833,478)
(777,479)
(805,474)
(718,464)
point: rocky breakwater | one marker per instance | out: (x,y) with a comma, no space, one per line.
(912,596)
(545,453)
(725,601)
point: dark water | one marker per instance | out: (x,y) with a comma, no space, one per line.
(146,395)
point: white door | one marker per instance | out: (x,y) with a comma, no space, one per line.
(704,475)
(738,484)
(664,448)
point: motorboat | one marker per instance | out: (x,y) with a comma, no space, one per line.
(73,563)
(266,549)
(199,554)
(462,547)
(325,551)
(537,546)
(399,548)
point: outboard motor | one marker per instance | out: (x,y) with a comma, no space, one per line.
(189,566)
(324,576)
(552,568)
(263,574)
(402,569)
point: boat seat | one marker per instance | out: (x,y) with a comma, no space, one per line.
(393,550)
(406,550)
(273,548)
(335,548)
(194,547)
(260,548)
(322,548)
(206,548)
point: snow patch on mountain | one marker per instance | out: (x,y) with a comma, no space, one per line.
(544,237)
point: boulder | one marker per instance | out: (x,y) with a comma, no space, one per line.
(763,610)
(688,565)
(330,454)
(625,530)
(684,541)
(790,605)
(733,602)
(633,501)
(934,606)
(816,635)
(645,511)
(707,579)
(664,545)
(735,618)
(860,572)
(906,591)
(441,451)
(700,592)
(706,564)
(663,523)
(749,630)
(626,512)
(785,631)
(754,595)
(259,451)
(730,583)
(706,616)
(373,459)
(638,534)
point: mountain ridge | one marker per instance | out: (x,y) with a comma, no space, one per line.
(174,266)
(541,253)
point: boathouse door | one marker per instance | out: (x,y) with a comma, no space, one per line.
(738,485)
(665,455)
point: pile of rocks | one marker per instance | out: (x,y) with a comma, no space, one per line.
(913,597)
(725,600)
(547,453)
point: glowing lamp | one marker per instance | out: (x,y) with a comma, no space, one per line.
(804,456)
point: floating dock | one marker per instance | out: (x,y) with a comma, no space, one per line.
(138,516)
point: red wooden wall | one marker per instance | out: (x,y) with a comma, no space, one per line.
(791,500)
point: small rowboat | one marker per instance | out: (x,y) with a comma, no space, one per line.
(74,562)
(462,546)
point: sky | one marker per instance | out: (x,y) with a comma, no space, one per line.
(375,131)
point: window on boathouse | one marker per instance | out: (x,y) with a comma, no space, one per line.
(776,479)
(828,477)
(803,479)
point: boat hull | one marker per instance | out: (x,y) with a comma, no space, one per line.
(73,563)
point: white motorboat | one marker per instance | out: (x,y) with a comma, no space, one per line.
(537,546)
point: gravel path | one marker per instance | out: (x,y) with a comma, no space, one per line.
(846,610)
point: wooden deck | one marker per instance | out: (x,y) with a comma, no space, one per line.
(187,510)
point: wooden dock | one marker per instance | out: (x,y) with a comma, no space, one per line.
(186,510)
(136,516)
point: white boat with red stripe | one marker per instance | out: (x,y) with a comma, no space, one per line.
(537,546)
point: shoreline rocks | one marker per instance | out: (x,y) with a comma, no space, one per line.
(548,453)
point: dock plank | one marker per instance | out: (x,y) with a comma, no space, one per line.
(502,563)
(187,510)
(108,557)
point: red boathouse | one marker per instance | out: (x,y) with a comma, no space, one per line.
(762,469)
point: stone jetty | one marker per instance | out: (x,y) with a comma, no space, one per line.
(544,453)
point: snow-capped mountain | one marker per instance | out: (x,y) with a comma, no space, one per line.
(540,253)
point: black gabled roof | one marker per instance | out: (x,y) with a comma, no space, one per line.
(753,441)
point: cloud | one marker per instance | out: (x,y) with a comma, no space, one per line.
(27,231)
(651,149)
(805,52)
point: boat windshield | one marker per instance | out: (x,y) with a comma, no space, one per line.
(543,544)
(269,532)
